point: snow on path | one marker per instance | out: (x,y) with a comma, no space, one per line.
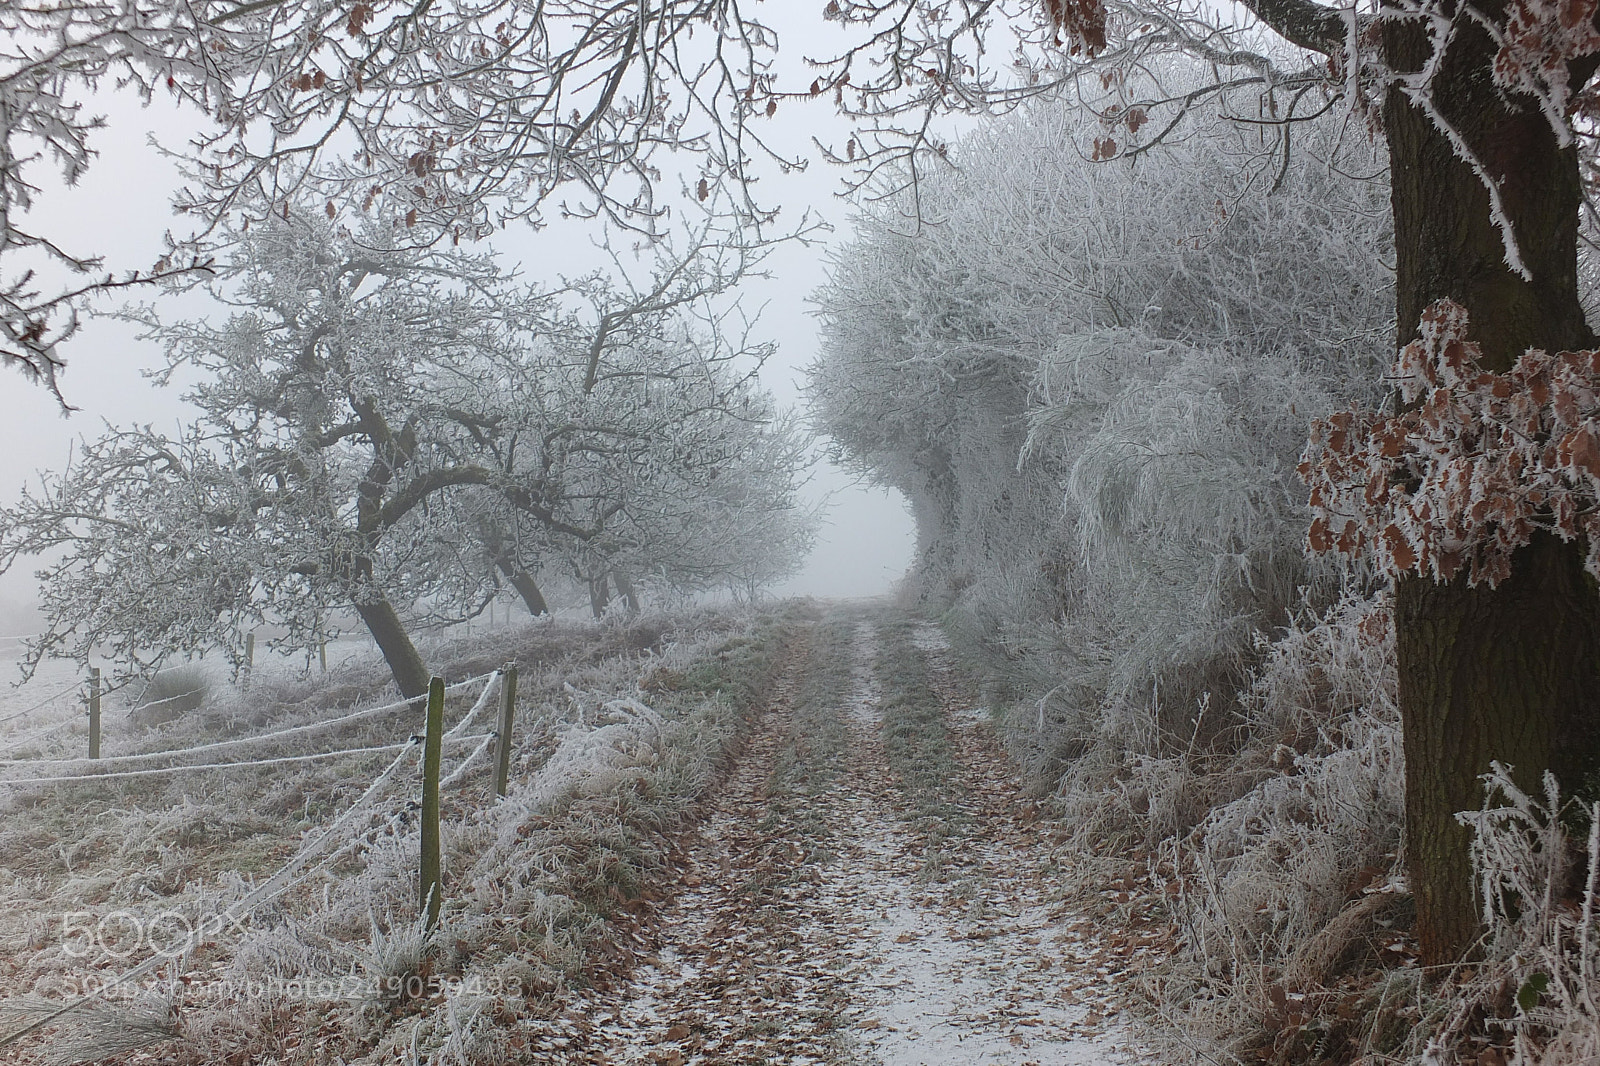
(974,969)
(860,957)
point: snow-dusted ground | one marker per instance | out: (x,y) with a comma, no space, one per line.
(976,980)
(44,714)
(860,957)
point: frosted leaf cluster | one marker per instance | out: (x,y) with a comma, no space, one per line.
(1540,39)
(1471,470)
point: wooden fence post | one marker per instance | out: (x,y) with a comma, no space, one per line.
(432,886)
(94,712)
(502,743)
(249,657)
(322,653)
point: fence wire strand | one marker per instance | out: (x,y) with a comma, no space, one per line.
(292,873)
(239,742)
(41,704)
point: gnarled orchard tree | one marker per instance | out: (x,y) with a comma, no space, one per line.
(386,429)
(639,418)
(1476,101)
(349,391)
(663,440)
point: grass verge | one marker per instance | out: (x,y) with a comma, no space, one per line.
(916,740)
(811,749)
(619,739)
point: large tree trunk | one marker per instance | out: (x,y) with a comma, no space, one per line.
(526,587)
(1508,673)
(625,589)
(383,622)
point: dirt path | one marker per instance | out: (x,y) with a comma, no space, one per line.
(829,912)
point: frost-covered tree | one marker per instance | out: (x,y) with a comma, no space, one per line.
(660,438)
(1092,380)
(345,395)
(389,430)
(736,522)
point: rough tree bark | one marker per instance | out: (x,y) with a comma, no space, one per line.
(1511,673)
(391,453)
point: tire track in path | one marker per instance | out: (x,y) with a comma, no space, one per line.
(818,921)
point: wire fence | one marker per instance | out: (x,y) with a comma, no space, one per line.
(115,762)
(321,849)
(21,743)
(45,702)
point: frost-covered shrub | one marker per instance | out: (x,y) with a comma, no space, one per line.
(1282,885)
(170,694)
(1187,519)
(1092,380)
(1538,993)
